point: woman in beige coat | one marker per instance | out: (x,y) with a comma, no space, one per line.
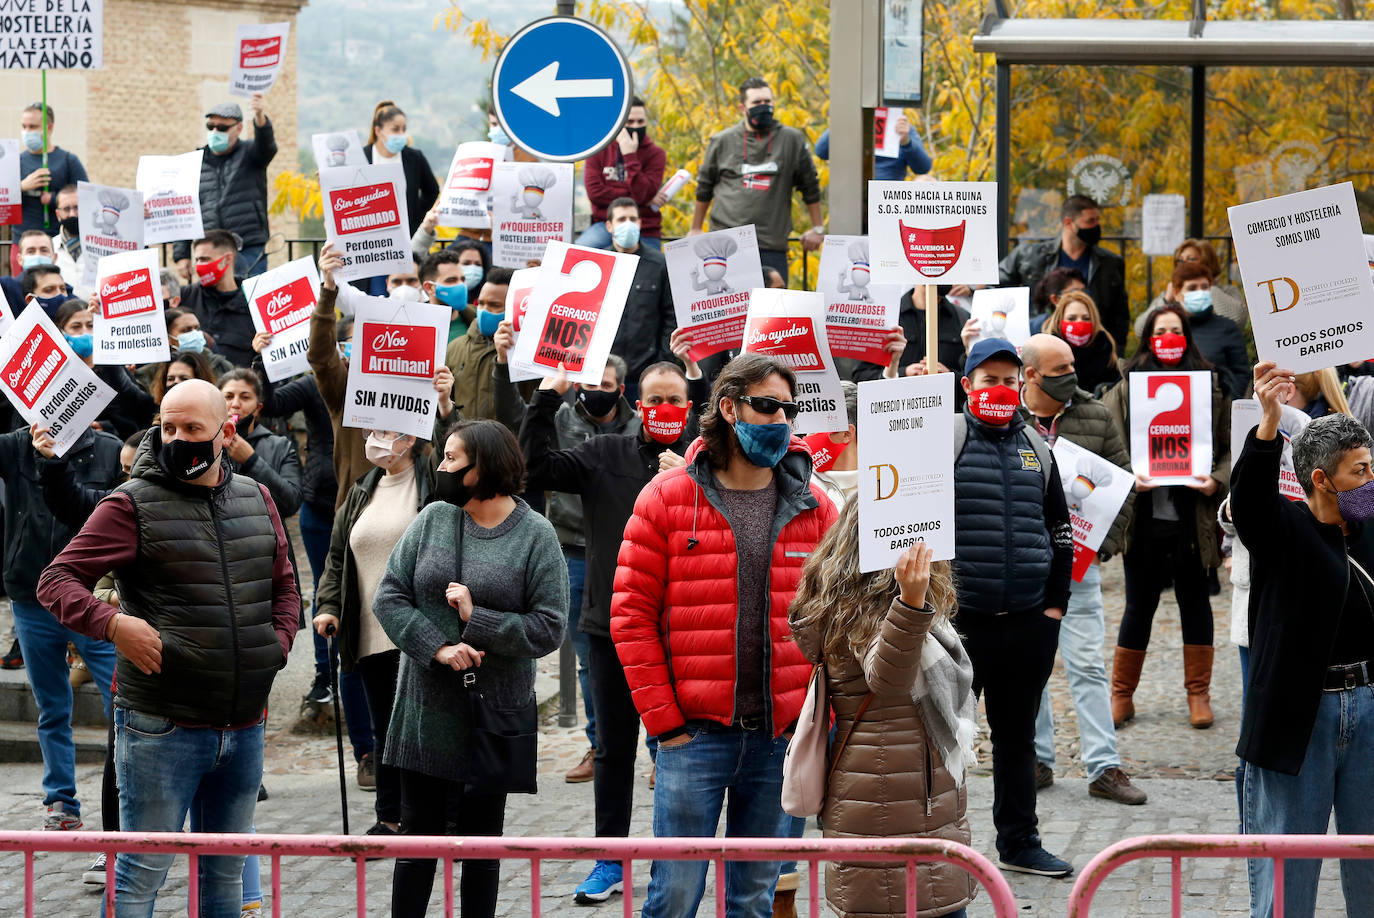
(901,772)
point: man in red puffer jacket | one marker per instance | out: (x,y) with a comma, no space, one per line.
(709,565)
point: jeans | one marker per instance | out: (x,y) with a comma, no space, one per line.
(719,767)
(43,641)
(577,578)
(377,673)
(245,258)
(1336,773)
(427,803)
(617,738)
(166,773)
(1081,633)
(776,260)
(597,236)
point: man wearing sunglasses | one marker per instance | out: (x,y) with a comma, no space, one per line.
(710,562)
(233,184)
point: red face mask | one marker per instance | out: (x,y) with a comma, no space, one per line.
(212,273)
(994,405)
(824,451)
(664,422)
(1169,348)
(1077,333)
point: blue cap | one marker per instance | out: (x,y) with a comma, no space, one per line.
(988,348)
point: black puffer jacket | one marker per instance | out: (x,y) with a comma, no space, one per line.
(225,317)
(319,487)
(233,189)
(648,321)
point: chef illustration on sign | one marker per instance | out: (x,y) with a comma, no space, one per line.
(714,252)
(854,282)
(337,144)
(1089,473)
(106,219)
(536,180)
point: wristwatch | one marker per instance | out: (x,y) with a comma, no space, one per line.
(820,230)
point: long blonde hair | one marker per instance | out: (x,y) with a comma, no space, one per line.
(1054,324)
(1326,384)
(845,607)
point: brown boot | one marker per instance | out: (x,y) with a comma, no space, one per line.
(1197,678)
(785,896)
(1125,677)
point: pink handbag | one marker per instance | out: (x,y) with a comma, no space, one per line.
(805,776)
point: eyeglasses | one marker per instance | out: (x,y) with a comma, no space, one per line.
(766,404)
(222,128)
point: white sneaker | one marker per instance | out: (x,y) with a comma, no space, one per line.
(95,874)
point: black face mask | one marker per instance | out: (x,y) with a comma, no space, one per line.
(761,117)
(638,133)
(449,487)
(1060,388)
(189,459)
(1088,235)
(598,403)
(71,226)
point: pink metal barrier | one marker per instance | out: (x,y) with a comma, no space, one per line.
(718,851)
(1277,848)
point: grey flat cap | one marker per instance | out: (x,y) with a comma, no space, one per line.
(226,110)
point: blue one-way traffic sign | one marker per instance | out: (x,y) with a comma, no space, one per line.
(561,88)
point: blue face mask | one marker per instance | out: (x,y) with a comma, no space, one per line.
(487,322)
(33,261)
(626,235)
(454,296)
(50,304)
(191,342)
(472,275)
(346,349)
(217,141)
(395,143)
(33,141)
(763,444)
(1196,301)
(82,345)
(496,135)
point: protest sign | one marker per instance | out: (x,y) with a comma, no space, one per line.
(1171,426)
(1161,223)
(52,35)
(6,316)
(531,206)
(337,148)
(48,384)
(465,200)
(906,468)
(1095,489)
(11,200)
(933,232)
(129,327)
(711,276)
(397,348)
(522,284)
(171,197)
(886,141)
(858,314)
(1003,312)
(1245,417)
(365,217)
(789,326)
(1307,280)
(259,51)
(111,221)
(574,311)
(824,451)
(280,302)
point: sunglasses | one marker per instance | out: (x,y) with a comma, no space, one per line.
(766,404)
(222,128)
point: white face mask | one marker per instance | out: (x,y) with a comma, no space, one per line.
(382,453)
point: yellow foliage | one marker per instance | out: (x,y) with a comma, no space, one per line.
(299,193)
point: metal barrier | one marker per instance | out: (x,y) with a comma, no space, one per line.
(1277,848)
(718,851)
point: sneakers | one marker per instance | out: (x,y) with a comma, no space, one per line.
(367,773)
(319,692)
(606,878)
(61,819)
(385,831)
(1113,784)
(1044,775)
(95,874)
(1036,860)
(251,910)
(584,770)
(14,659)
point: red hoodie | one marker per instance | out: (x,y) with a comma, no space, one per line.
(611,174)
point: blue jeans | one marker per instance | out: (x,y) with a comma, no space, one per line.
(1337,773)
(166,773)
(694,779)
(1081,633)
(43,641)
(244,259)
(577,578)
(597,236)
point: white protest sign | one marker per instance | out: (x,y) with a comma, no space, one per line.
(1095,490)
(52,35)
(11,202)
(574,312)
(906,468)
(858,314)
(6,317)
(1161,223)
(1171,426)
(789,326)
(280,302)
(1307,282)
(171,197)
(337,148)
(365,217)
(48,384)
(1003,312)
(259,51)
(1245,417)
(397,349)
(129,327)
(465,200)
(933,232)
(886,141)
(711,276)
(521,287)
(531,206)
(111,221)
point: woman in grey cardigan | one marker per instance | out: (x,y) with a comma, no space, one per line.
(508,607)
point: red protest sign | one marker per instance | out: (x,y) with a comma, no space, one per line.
(1170,433)
(790,339)
(34,366)
(572,317)
(932,252)
(472,174)
(257,53)
(364,207)
(286,306)
(397,350)
(128,294)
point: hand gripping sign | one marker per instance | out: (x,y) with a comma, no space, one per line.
(171,197)
(858,314)
(365,217)
(933,232)
(789,326)
(48,384)
(280,302)
(574,311)
(1171,426)
(397,349)
(259,51)
(711,276)
(1095,490)
(465,200)
(531,206)
(129,327)
(111,222)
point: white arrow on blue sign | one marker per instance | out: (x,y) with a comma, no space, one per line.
(561,89)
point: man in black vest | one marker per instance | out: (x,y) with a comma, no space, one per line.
(208,607)
(1013,556)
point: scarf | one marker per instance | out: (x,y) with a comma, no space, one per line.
(943,693)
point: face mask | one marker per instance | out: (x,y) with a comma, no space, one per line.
(638,132)
(189,459)
(664,422)
(497,135)
(82,345)
(1088,235)
(217,141)
(454,296)
(1077,333)
(211,274)
(346,350)
(1059,388)
(488,322)
(33,141)
(382,453)
(763,444)
(1169,348)
(1196,301)
(598,403)
(994,405)
(626,235)
(71,226)
(472,276)
(33,261)
(191,342)
(761,117)
(50,304)
(1357,504)
(395,143)
(825,452)
(449,487)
